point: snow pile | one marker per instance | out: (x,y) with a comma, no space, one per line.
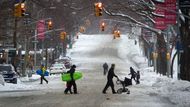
(2,82)
(177,91)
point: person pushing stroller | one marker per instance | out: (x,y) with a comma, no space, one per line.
(110,83)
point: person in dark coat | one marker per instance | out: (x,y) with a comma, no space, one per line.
(138,77)
(110,83)
(105,66)
(132,73)
(72,82)
(68,86)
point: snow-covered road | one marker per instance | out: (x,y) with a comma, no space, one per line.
(89,53)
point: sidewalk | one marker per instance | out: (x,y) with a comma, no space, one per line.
(34,77)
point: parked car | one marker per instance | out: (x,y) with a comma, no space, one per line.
(8,72)
(57,68)
(66,61)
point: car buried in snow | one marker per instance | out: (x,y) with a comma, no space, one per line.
(8,73)
(57,68)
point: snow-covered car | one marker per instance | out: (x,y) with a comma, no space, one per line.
(57,68)
(66,61)
(8,73)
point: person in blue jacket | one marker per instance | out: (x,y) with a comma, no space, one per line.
(43,69)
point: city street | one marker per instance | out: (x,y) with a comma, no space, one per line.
(120,53)
(105,49)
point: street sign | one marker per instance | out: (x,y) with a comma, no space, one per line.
(41,30)
(161,1)
(35,41)
(160,21)
(170,12)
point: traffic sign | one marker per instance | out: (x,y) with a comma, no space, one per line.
(35,41)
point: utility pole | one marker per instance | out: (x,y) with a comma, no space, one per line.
(35,46)
(15,33)
(25,57)
(178,39)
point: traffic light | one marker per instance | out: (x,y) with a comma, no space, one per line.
(23,9)
(98,8)
(19,9)
(63,35)
(102,26)
(168,56)
(50,24)
(82,29)
(116,33)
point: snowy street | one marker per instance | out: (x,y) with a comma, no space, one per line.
(89,53)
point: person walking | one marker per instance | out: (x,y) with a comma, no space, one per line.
(43,69)
(110,83)
(105,66)
(138,77)
(68,86)
(72,82)
(132,73)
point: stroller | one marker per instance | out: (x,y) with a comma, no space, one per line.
(124,83)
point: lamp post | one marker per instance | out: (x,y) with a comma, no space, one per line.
(35,39)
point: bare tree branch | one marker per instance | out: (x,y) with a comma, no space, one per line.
(145,15)
(135,21)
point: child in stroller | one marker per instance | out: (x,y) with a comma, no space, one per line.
(124,83)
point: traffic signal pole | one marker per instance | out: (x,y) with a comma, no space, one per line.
(35,47)
(15,33)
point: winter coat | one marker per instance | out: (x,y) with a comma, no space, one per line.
(111,74)
(138,75)
(72,71)
(132,72)
(105,66)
